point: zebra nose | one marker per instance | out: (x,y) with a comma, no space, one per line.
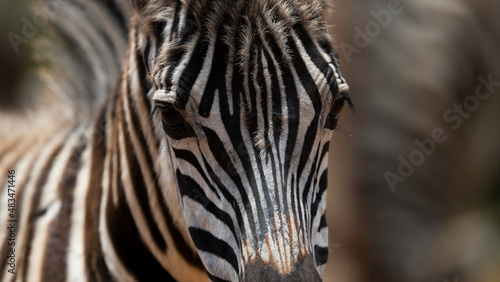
(304,271)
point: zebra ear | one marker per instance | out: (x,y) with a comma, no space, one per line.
(139,5)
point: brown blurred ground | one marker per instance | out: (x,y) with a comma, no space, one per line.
(442,223)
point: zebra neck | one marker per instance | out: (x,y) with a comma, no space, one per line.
(140,238)
(81,56)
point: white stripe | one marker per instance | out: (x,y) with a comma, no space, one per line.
(76,270)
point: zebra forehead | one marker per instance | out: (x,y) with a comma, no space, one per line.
(247,29)
(275,16)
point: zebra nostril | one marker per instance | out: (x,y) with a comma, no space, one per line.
(304,271)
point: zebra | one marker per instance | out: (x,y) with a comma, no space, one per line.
(206,161)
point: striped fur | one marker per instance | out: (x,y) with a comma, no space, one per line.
(235,189)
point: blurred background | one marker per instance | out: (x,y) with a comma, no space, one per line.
(414,177)
(418,71)
(16,63)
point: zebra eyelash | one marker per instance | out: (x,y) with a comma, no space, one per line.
(159,106)
(154,113)
(346,96)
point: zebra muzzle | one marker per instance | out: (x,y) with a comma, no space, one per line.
(305,270)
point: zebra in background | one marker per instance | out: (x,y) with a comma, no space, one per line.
(209,157)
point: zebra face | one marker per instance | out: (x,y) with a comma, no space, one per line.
(245,111)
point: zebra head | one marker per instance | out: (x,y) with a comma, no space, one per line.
(245,95)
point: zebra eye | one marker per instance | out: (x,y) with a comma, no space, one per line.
(173,122)
(171,118)
(334,116)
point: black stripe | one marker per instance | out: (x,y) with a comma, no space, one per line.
(312,50)
(206,242)
(277,118)
(191,72)
(176,20)
(143,74)
(276,96)
(276,163)
(322,181)
(293,111)
(145,57)
(312,90)
(191,189)
(178,51)
(175,55)
(322,185)
(322,223)
(218,149)
(5,248)
(307,188)
(56,251)
(190,27)
(317,58)
(136,174)
(181,245)
(263,96)
(311,175)
(128,244)
(159,31)
(225,194)
(324,151)
(35,212)
(321,255)
(125,236)
(97,269)
(217,78)
(191,158)
(252,122)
